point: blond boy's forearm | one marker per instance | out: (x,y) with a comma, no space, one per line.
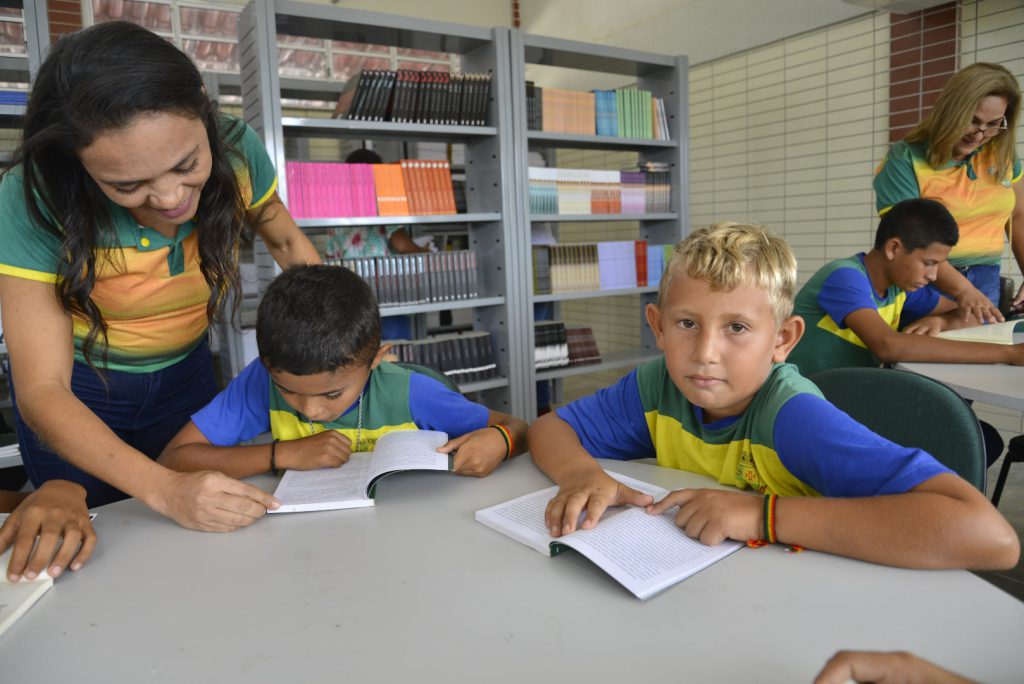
(556,448)
(937,525)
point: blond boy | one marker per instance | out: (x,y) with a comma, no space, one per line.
(723,403)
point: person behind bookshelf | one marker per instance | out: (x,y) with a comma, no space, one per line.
(321,388)
(48,528)
(722,402)
(876,307)
(370,241)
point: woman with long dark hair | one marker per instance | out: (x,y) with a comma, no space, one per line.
(121,215)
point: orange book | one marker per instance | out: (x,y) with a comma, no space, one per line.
(391,199)
(411,188)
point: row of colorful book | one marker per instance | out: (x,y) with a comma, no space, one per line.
(412,187)
(556,346)
(645,189)
(622,113)
(463,357)
(410,279)
(597,266)
(410,96)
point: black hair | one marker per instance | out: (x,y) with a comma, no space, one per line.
(316,319)
(102,79)
(363,156)
(918,223)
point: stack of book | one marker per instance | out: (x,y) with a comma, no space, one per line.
(463,357)
(643,189)
(597,266)
(409,279)
(412,187)
(551,350)
(622,113)
(582,347)
(556,346)
(409,96)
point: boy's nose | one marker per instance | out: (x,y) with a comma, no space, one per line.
(706,348)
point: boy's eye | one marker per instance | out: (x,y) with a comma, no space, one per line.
(332,397)
(687,324)
(737,327)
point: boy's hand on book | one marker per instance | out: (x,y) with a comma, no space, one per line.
(327,449)
(928,325)
(477,453)
(592,492)
(712,516)
(57,515)
(213,502)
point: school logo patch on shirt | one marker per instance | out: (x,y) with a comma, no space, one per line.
(746,472)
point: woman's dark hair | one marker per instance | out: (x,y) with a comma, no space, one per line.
(317,319)
(918,223)
(101,79)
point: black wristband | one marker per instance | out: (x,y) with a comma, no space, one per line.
(273,458)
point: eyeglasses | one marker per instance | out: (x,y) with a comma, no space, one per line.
(989,130)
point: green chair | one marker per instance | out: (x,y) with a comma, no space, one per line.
(913,411)
(430,373)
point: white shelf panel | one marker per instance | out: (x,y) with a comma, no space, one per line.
(476,303)
(481,385)
(608,362)
(294,125)
(396,220)
(592,294)
(543,139)
(567,218)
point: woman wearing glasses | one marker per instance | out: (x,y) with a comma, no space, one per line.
(963,155)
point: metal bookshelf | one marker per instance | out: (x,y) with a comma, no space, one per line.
(489,168)
(666,77)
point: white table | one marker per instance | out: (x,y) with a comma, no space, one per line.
(995,384)
(416,590)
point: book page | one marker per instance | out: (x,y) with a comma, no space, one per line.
(325,489)
(18,597)
(407,450)
(995,333)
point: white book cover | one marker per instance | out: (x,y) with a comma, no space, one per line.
(645,553)
(352,485)
(17,597)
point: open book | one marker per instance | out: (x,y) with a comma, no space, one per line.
(352,485)
(18,597)
(996,333)
(644,553)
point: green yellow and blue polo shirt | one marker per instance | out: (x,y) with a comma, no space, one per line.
(149,288)
(789,441)
(975,192)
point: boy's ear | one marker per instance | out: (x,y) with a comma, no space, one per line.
(653,314)
(383,354)
(891,247)
(788,334)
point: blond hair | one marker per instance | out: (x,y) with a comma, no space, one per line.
(955,107)
(731,254)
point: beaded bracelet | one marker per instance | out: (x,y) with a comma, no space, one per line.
(273,458)
(507,436)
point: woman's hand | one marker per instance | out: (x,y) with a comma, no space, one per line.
(55,514)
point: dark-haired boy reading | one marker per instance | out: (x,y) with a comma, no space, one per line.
(722,402)
(856,309)
(322,388)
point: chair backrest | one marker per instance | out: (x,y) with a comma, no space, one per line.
(1007,291)
(430,373)
(913,411)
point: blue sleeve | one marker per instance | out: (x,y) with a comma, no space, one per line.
(839,457)
(611,422)
(844,291)
(435,407)
(920,302)
(241,411)
(895,179)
